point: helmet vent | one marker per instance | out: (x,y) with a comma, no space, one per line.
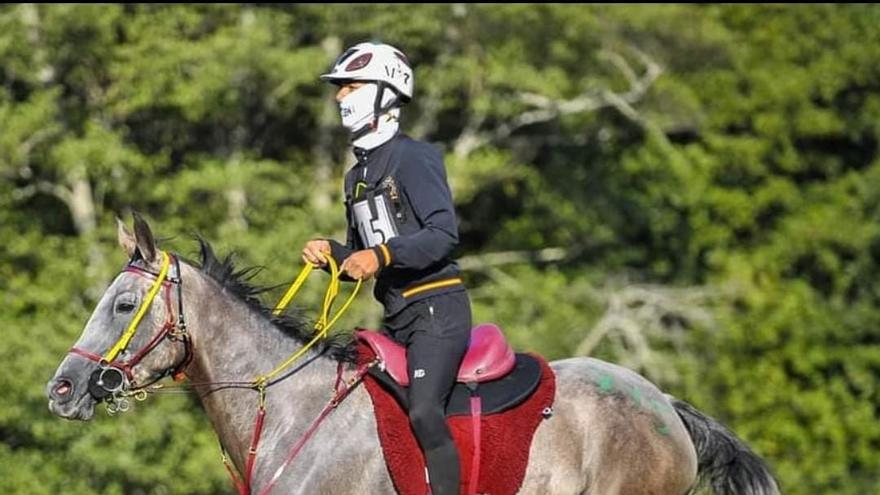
(402,58)
(348,53)
(359,62)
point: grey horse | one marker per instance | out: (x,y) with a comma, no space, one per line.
(611,431)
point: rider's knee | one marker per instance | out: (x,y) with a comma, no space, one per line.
(428,423)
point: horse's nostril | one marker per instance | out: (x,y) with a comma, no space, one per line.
(62,389)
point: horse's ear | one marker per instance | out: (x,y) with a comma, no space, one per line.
(126,238)
(146,244)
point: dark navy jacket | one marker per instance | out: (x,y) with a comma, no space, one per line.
(406,179)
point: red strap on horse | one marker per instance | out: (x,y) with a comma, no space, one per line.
(239,484)
(255,442)
(476,415)
(243,483)
(86,354)
(341,394)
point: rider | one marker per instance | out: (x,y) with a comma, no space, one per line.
(402,229)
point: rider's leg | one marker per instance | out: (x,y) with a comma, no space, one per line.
(435,348)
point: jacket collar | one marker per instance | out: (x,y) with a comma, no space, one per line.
(364,154)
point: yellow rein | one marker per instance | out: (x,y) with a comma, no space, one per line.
(123,341)
(322,326)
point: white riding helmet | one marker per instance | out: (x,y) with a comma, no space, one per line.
(374,62)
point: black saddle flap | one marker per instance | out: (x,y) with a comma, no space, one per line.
(497,396)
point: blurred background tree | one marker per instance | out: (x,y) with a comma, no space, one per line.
(691,191)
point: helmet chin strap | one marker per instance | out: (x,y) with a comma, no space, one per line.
(371,138)
(378,111)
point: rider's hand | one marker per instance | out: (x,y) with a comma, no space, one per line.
(314,252)
(361,265)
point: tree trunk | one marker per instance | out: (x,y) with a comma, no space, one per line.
(328,119)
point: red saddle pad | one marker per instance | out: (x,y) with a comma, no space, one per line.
(506,438)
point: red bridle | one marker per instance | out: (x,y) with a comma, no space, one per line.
(173,329)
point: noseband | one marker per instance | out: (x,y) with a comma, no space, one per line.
(114,378)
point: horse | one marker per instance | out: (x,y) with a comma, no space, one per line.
(612,432)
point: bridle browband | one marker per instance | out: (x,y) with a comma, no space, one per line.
(114,378)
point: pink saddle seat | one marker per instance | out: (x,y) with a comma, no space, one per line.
(488,355)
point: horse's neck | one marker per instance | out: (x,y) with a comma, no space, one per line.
(233,343)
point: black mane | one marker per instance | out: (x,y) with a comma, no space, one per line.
(338,347)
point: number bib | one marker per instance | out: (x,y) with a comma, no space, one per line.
(374,222)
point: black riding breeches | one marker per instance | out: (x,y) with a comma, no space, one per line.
(435,332)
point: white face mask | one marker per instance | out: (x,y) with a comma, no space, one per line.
(356,109)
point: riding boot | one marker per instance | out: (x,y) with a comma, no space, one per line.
(443,469)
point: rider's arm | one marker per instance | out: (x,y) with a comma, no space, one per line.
(422,176)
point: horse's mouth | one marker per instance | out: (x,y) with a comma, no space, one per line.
(82,409)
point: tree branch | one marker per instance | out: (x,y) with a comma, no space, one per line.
(488,260)
(471,138)
(637,314)
(44,187)
(546,109)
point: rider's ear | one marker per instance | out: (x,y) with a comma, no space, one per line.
(144,239)
(126,238)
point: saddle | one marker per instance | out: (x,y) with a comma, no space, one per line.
(493,411)
(490,369)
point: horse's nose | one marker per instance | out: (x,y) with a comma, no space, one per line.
(61,390)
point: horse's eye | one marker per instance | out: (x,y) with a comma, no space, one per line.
(124,307)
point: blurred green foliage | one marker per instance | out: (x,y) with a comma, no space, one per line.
(731,149)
